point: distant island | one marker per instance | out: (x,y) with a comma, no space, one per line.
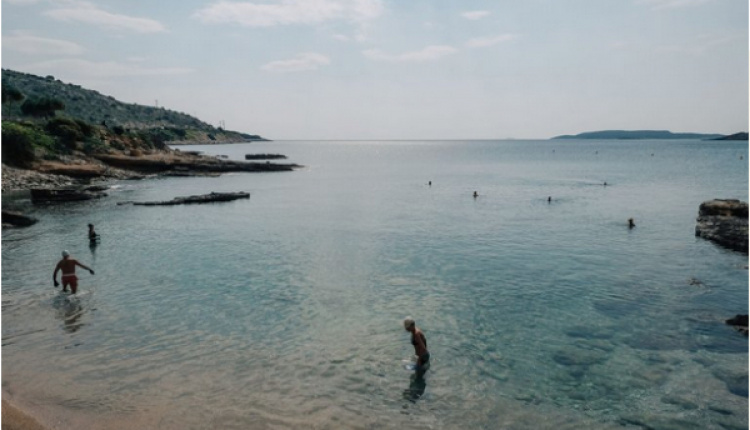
(736,136)
(649,134)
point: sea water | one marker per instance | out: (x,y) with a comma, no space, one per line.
(285,310)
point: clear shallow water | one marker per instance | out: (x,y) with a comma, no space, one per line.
(284,311)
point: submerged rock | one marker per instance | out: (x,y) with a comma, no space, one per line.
(724,222)
(17,219)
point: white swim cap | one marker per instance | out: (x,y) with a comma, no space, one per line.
(65,253)
(408,322)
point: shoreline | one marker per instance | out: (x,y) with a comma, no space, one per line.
(16,418)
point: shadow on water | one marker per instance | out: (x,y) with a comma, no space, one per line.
(417,386)
(69,309)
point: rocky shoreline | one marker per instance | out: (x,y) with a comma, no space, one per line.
(136,165)
(17,179)
(724,222)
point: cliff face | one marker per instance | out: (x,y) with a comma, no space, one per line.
(724,222)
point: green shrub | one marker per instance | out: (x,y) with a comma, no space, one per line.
(93,145)
(42,107)
(67,131)
(21,143)
(86,128)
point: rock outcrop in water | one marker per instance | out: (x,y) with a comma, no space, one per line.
(17,219)
(264,156)
(203,198)
(67,194)
(724,222)
(739,322)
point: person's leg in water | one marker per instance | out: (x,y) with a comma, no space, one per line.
(71,280)
(423,364)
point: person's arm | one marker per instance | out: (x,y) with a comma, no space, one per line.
(54,274)
(78,263)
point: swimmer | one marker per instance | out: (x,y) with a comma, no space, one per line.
(549,199)
(93,236)
(631,223)
(68,267)
(420,344)
(476,194)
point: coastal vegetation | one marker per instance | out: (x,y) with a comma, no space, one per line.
(47,119)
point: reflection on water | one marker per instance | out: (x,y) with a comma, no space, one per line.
(417,386)
(69,309)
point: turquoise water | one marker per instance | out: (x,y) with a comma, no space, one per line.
(284,310)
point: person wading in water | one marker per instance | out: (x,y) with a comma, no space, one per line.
(420,344)
(68,267)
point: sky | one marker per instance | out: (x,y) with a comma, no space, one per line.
(401,69)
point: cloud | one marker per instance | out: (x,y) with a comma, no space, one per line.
(483,42)
(701,45)
(288,12)
(430,53)
(84,68)
(89,13)
(28,44)
(475,14)
(672,4)
(302,62)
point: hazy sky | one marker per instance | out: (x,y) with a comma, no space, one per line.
(401,69)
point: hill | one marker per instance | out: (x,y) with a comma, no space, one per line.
(638,134)
(737,136)
(92,107)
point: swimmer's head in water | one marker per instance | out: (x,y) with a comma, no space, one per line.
(91,225)
(65,253)
(408,322)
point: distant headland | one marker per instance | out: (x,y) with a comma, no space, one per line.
(650,134)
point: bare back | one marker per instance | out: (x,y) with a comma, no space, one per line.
(67,265)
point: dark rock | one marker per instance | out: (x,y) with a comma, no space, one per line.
(55,195)
(264,156)
(204,198)
(740,322)
(17,219)
(724,222)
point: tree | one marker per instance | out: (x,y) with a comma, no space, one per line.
(11,94)
(43,107)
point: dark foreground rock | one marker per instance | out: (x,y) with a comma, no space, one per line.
(67,194)
(203,198)
(17,219)
(739,322)
(724,222)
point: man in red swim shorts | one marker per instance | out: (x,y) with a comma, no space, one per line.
(68,267)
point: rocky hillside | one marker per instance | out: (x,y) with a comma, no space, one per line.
(23,92)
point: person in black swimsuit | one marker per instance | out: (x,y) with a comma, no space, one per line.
(419,341)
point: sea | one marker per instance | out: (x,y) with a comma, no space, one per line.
(542,309)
